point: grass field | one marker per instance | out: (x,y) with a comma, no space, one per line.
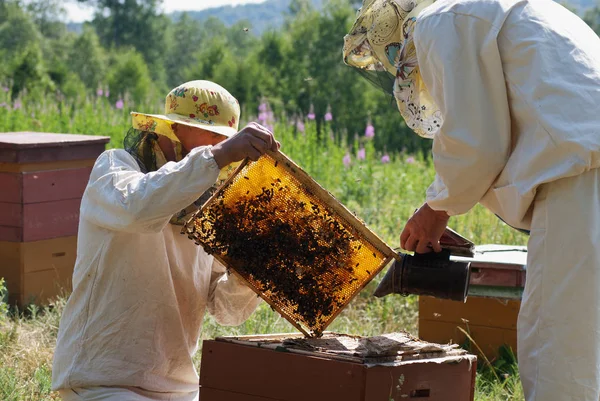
(382,193)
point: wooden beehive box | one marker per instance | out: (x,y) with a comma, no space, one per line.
(42,179)
(290,368)
(492,308)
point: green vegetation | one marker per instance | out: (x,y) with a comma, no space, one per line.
(54,80)
(382,188)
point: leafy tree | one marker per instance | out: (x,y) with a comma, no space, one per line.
(20,42)
(185,36)
(88,59)
(47,14)
(135,23)
(129,75)
(592,18)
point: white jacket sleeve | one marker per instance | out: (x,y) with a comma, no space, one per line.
(461,67)
(119,197)
(230,300)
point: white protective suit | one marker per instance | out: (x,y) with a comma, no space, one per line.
(140,288)
(518,84)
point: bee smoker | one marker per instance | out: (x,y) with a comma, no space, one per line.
(432,274)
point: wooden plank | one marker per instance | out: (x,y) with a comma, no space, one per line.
(503,293)
(34,139)
(489,339)
(487,312)
(495,277)
(41,287)
(55,185)
(11,214)
(56,253)
(278,375)
(498,256)
(50,219)
(56,165)
(11,187)
(49,154)
(26,147)
(10,267)
(211,394)
(12,234)
(433,380)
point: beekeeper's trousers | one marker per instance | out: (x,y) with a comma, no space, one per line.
(559,321)
(122,394)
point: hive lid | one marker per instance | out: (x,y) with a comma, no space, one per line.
(503,257)
(36,147)
(294,244)
(22,140)
(384,348)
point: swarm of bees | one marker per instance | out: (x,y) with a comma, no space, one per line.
(290,247)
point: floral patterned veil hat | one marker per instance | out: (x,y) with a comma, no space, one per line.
(199,104)
(380,44)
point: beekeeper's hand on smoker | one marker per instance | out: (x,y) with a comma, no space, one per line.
(423,230)
(252,141)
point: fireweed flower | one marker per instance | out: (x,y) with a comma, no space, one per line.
(99,92)
(361,154)
(328,115)
(120,104)
(347,160)
(300,125)
(410,160)
(311,113)
(370,130)
(17,105)
(385,158)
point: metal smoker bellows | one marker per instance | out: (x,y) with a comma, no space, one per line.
(432,274)
(294,244)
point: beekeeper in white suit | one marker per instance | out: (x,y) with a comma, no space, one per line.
(509,91)
(140,288)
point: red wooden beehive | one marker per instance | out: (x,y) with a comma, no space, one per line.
(492,308)
(287,367)
(42,179)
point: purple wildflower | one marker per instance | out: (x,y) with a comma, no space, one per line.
(311,113)
(107,92)
(410,160)
(4,104)
(361,154)
(99,92)
(347,160)
(119,105)
(17,104)
(5,88)
(262,107)
(370,130)
(328,115)
(385,159)
(300,125)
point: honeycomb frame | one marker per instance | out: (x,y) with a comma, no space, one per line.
(290,213)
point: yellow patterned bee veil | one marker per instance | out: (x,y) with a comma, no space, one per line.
(199,104)
(380,44)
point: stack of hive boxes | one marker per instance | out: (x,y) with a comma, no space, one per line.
(490,314)
(42,179)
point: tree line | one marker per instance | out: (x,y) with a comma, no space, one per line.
(132,49)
